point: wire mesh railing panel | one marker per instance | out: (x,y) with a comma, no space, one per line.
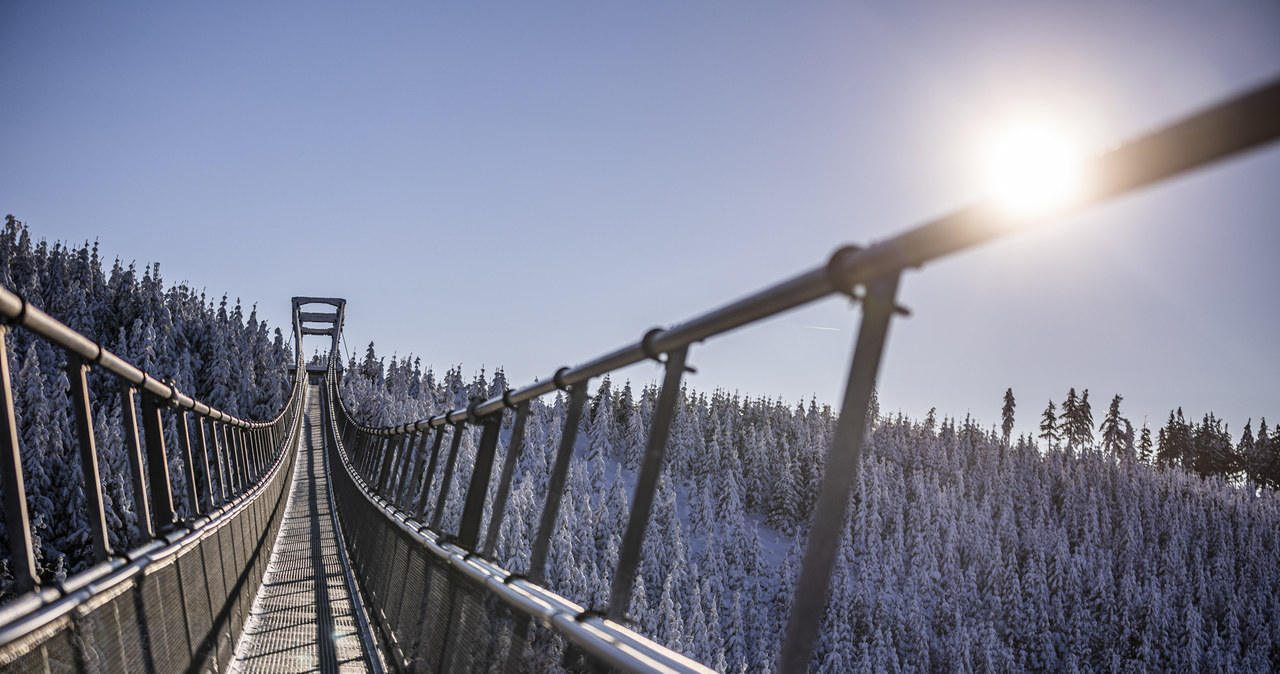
(178,607)
(112,642)
(165,619)
(196,605)
(47,651)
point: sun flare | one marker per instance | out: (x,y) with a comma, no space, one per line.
(1034,167)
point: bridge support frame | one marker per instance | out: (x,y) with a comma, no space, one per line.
(843,458)
(473,503)
(162,516)
(189,464)
(646,485)
(133,447)
(16,518)
(77,371)
(515,446)
(447,478)
(555,488)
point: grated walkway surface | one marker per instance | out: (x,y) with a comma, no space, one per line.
(302,619)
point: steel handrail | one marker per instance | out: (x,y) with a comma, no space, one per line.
(17,311)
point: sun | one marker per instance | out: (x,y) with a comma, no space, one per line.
(1033,167)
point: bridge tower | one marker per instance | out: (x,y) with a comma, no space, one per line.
(318,322)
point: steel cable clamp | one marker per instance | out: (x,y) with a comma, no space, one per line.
(558,378)
(651,352)
(22,313)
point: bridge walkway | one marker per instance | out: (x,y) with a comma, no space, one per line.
(304,618)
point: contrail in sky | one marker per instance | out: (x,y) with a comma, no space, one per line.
(818,327)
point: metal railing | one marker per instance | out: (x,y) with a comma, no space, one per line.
(178,600)
(388,466)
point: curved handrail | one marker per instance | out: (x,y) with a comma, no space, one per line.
(17,311)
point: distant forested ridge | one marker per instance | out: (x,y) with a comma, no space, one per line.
(966,549)
(210,350)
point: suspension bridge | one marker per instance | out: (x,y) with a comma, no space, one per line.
(311,542)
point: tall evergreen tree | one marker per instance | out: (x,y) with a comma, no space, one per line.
(1069,418)
(1265,449)
(1246,453)
(1085,411)
(1144,444)
(1175,440)
(1006,415)
(1112,427)
(1049,426)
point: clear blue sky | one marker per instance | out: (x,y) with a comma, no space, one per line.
(531,184)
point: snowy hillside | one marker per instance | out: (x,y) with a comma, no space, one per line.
(964,551)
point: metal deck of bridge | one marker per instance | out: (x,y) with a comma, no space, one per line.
(307,616)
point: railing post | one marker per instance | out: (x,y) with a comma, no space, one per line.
(15,492)
(646,485)
(445,479)
(344,432)
(400,469)
(514,447)
(188,462)
(246,461)
(390,447)
(76,371)
(473,502)
(226,465)
(357,450)
(362,453)
(414,476)
(376,446)
(157,464)
(260,450)
(208,466)
(251,454)
(372,452)
(242,436)
(555,489)
(232,484)
(240,477)
(810,599)
(423,496)
(133,449)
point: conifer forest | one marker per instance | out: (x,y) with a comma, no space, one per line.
(1095,545)
(206,346)
(966,549)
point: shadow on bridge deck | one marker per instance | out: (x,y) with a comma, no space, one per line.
(303,619)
